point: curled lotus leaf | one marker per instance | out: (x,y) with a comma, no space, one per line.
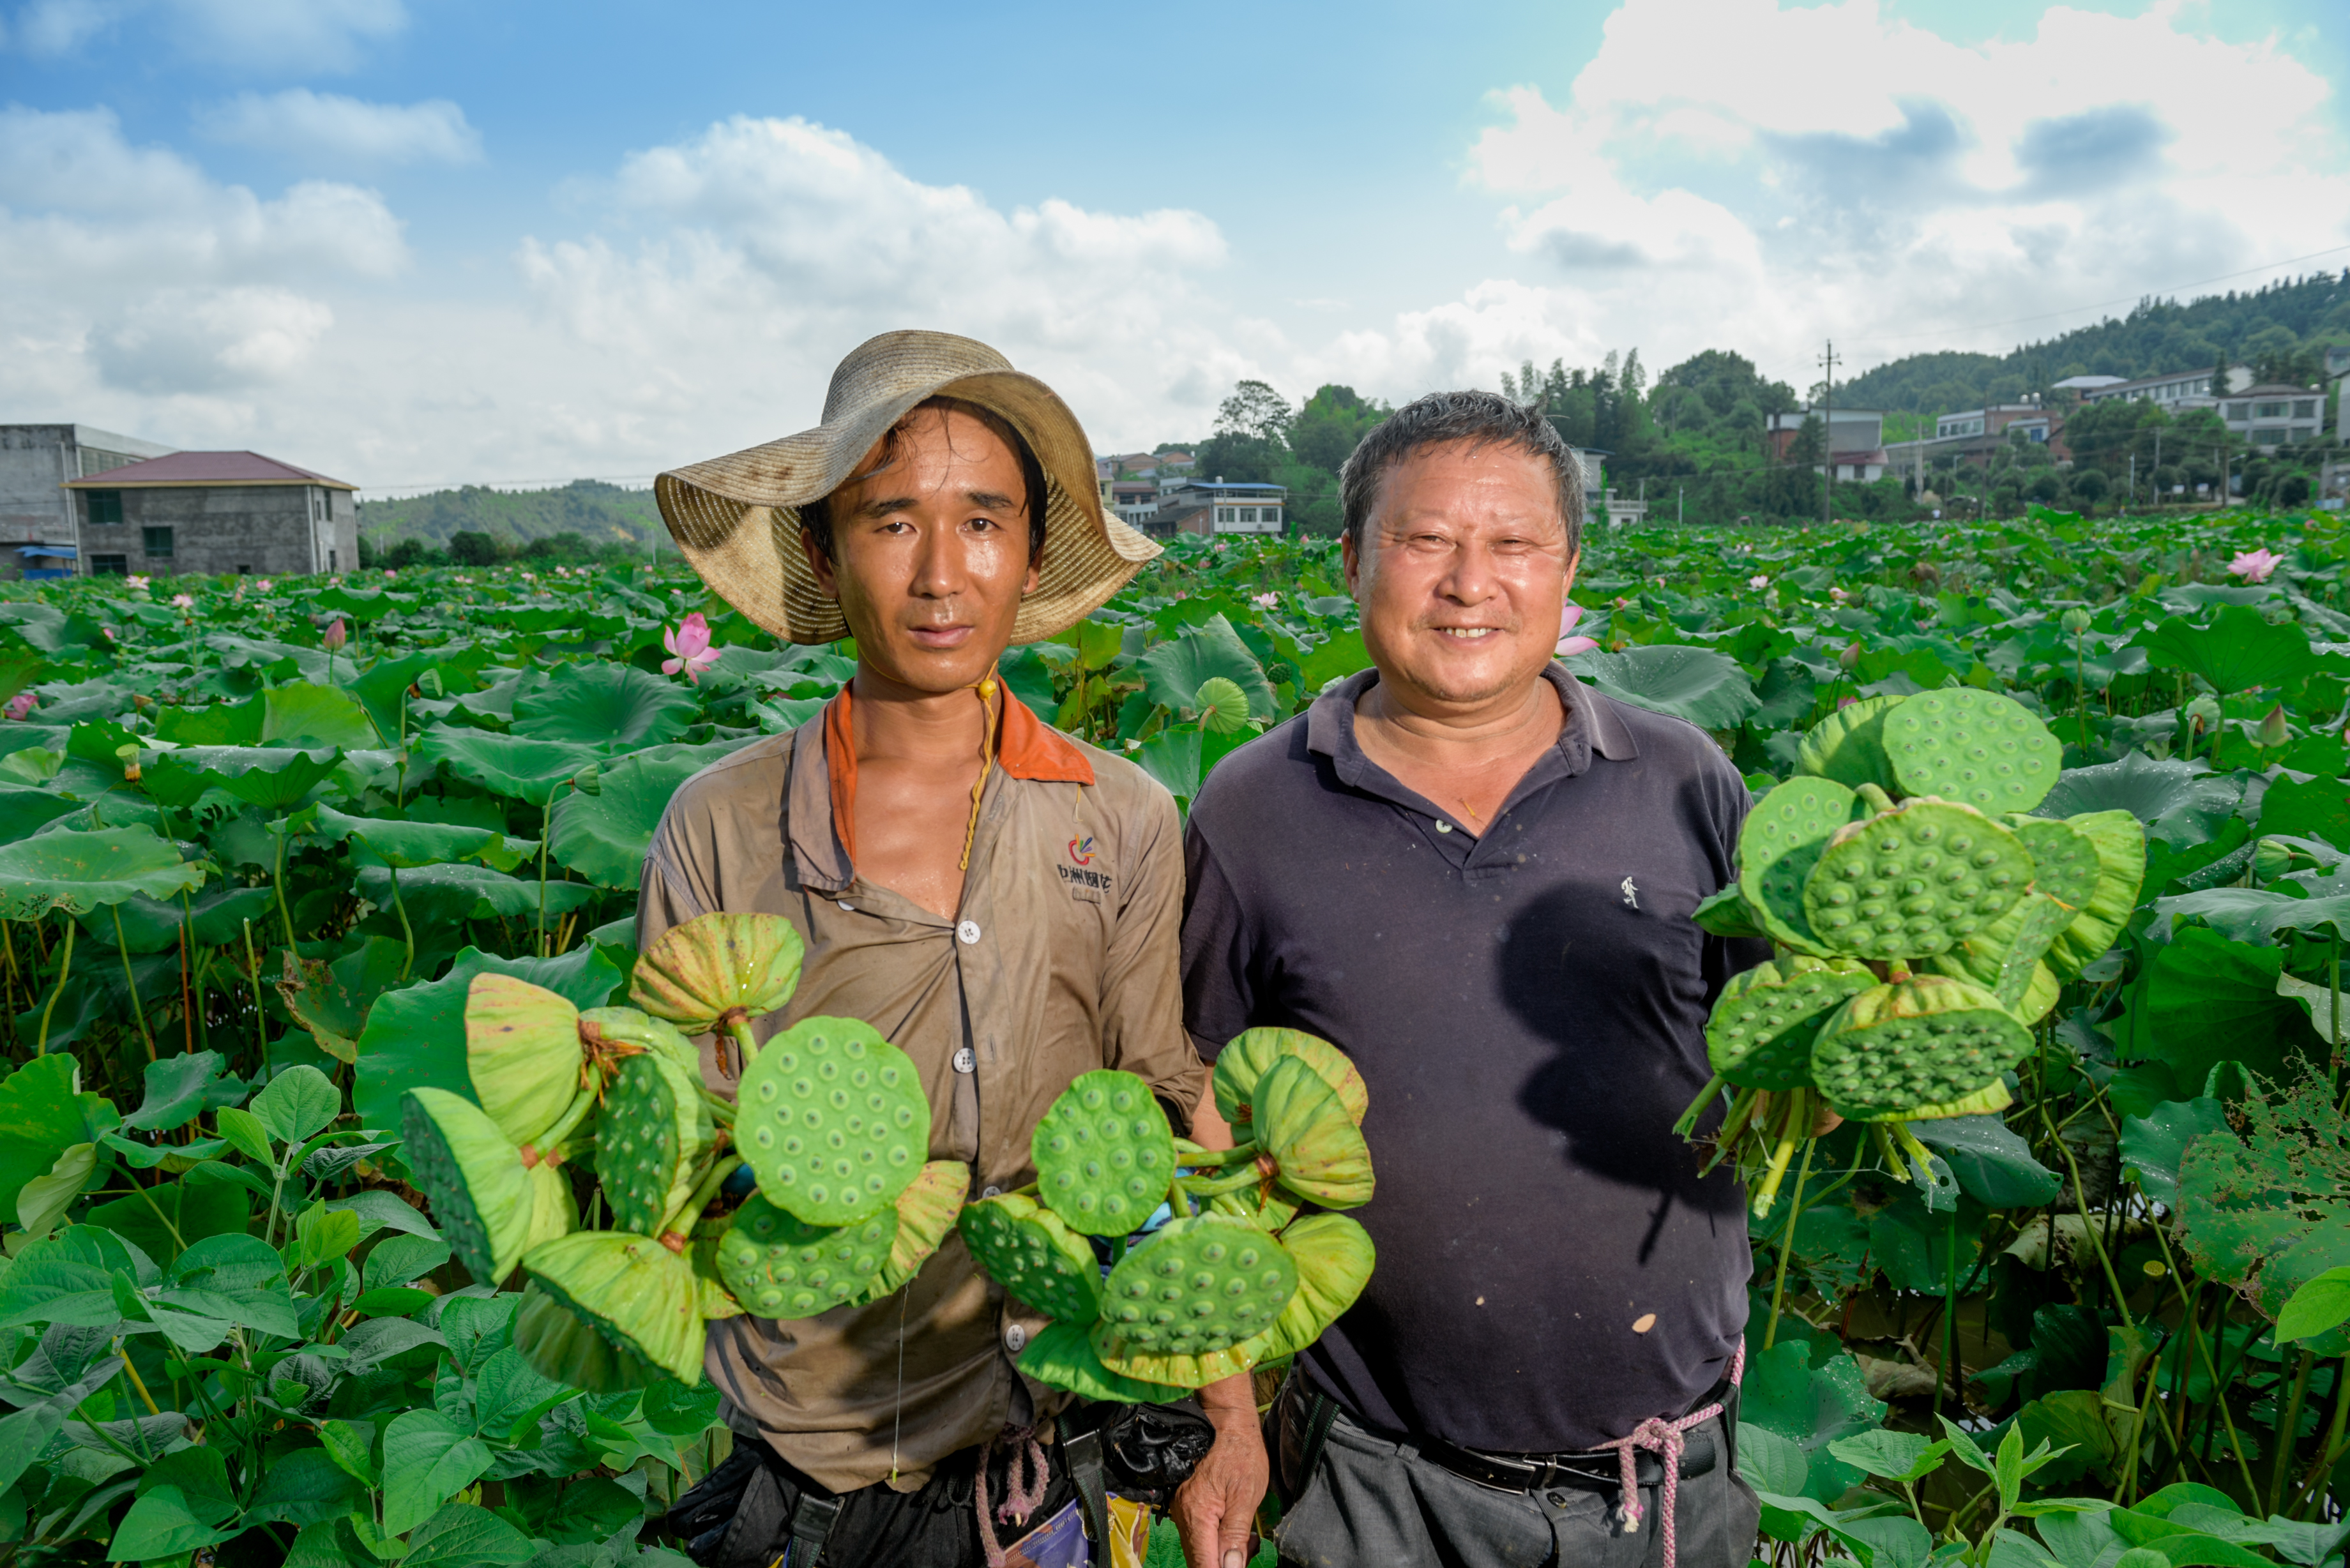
(1316,1149)
(613,1033)
(522,1053)
(638,1295)
(832,1119)
(1781,841)
(1063,1355)
(1334,1257)
(473,1177)
(1848,745)
(1194,1287)
(564,1347)
(778,1265)
(1984,748)
(1246,1056)
(1924,1041)
(926,1212)
(2003,958)
(651,1134)
(695,974)
(2119,840)
(1762,1025)
(1026,1249)
(1914,880)
(1105,1155)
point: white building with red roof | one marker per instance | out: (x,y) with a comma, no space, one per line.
(216,512)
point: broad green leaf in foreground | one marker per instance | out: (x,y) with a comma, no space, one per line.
(78,872)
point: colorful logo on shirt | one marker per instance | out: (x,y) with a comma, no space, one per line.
(1081,849)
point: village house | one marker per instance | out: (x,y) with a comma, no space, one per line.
(215,512)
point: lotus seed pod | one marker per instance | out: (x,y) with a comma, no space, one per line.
(1784,838)
(1921,1042)
(1334,1257)
(2073,621)
(562,1347)
(650,1134)
(1245,1057)
(2003,956)
(926,1212)
(1316,1149)
(1915,881)
(642,1298)
(1988,1101)
(833,1119)
(615,1032)
(1179,1370)
(2120,843)
(473,1177)
(695,974)
(1984,748)
(777,1265)
(1105,1155)
(2064,863)
(1063,1355)
(1848,745)
(1222,706)
(1726,914)
(522,1053)
(551,1212)
(2272,858)
(1761,1032)
(1027,1249)
(1194,1286)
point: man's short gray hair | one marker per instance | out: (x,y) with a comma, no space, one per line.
(1440,419)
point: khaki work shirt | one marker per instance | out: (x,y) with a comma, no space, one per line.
(1062,958)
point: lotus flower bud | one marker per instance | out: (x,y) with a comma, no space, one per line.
(2273,730)
(2075,621)
(1850,657)
(335,636)
(590,780)
(429,684)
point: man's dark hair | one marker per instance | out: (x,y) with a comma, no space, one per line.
(1440,419)
(815,516)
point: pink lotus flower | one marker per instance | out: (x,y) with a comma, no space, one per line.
(1838,595)
(1759,580)
(335,636)
(182,601)
(136,583)
(1264,601)
(691,643)
(2254,565)
(19,705)
(1567,642)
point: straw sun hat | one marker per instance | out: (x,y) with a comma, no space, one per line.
(737,517)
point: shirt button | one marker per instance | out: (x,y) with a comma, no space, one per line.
(1016,1338)
(964,1061)
(967,932)
(1440,827)
(848,906)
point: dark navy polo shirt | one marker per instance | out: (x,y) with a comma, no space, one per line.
(1528,1011)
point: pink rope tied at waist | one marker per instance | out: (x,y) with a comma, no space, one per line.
(1026,1473)
(1666,1439)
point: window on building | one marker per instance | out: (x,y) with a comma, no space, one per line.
(2268,436)
(244,570)
(110,565)
(1223,514)
(331,562)
(2306,409)
(105,507)
(2267,411)
(1248,515)
(1272,515)
(156,542)
(2238,410)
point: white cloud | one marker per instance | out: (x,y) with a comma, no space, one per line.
(181,340)
(249,34)
(316,126)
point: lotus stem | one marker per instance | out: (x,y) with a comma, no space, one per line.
(1782,1153)
(548,1145)
(1733,1127)
(1191,1156)
(2287,1430)
(406,929)
(138,1010)
(737,1024)
(187,1004)
(1879,801)
(721,1112)
(277,882)
(699,1199)
(65,967)
(260,1024)
(1895,1165)
(1688,1123)
(1229,1181)
(1787,1242)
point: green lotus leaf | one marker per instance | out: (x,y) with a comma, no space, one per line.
(1317,1148)
(1914,880)
(2003,956)
(778,1265)
(274,778)
(522,1053)
(832,1119)
(1334,1257)
(651,1134)
(926,1212)
(1105,1155)
(1781,840)
(1924,1041)
(2063,861)
(642,1298)
(81,871)
(2120,843)
(1761,1030)
(612,1033)
(612,707)
(697,973)
(564,1347)
(515,767)
(1245,1057)
(1702,685)
(1031,1253)
(1193,1287)
(1062,1356)
(1982,748)
(1848,745)
(474,1178)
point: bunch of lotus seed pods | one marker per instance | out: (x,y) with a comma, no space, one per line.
(1925,915)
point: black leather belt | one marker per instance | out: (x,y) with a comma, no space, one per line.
(1596,1471)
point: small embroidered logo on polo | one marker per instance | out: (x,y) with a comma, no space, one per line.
(1631,895)
(1081,849)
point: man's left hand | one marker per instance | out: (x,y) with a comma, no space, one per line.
(1215,1510)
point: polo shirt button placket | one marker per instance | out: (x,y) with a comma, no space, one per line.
(1016,1338)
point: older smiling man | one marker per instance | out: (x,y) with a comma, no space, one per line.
(1475,875)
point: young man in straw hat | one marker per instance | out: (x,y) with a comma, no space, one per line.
(999,901)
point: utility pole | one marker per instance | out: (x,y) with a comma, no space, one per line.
(1827,433)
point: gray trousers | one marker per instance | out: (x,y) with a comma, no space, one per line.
(1376,1502)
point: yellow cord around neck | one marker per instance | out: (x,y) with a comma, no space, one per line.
(988,686)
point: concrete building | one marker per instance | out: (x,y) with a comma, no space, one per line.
(2173,389)
(39,521)
(1974,434)
(1856,439)
(1213,506)
(216,512)
(1136,500)
(2274,414)
(2337,366)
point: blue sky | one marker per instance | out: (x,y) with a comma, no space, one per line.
(410,241)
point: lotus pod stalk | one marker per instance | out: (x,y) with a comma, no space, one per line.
(719,972)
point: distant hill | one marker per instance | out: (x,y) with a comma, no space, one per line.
(2157,338)
(597,511)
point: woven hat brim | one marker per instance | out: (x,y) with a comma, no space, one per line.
(736,518)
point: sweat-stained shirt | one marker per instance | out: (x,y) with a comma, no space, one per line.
(1061,959)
